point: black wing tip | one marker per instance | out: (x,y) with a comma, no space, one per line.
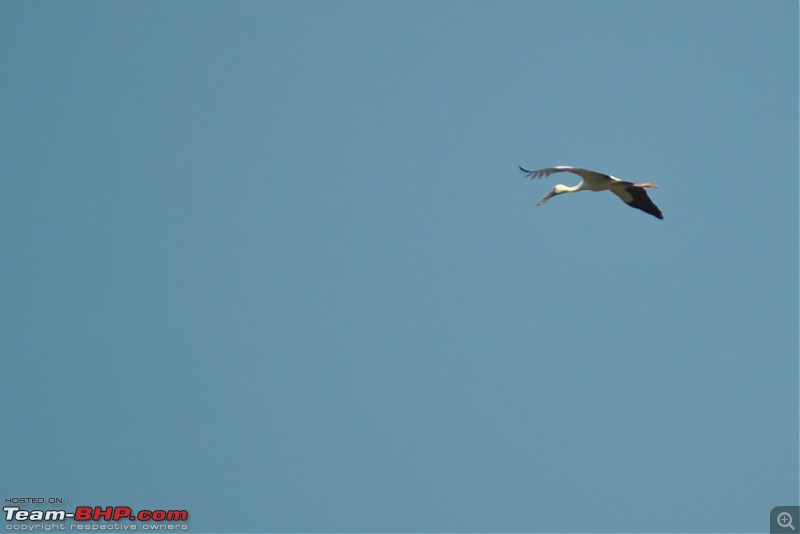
(655,213)
(650,210)
(641,201)
(526,171)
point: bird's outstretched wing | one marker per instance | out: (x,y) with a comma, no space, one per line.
(636,197)
(586,174)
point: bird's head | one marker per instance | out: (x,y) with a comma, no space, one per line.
(557,190)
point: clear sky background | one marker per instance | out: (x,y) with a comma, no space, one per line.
(274,263)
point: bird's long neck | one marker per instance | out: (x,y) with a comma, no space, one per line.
(569,189)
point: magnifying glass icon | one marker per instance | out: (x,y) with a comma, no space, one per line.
(785,520)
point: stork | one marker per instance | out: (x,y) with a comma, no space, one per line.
(634,195)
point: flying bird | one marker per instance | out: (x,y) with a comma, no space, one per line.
(634,195)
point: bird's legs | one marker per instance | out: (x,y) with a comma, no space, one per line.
(646,184)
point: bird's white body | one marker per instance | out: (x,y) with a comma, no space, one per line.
(632,194)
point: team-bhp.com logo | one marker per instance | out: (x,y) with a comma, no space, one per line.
(89,516)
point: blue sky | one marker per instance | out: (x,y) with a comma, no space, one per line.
(274,263)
